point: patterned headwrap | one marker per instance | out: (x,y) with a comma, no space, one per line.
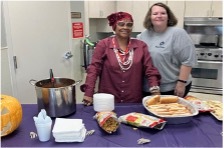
(115,17)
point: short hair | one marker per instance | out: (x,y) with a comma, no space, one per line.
(172,20)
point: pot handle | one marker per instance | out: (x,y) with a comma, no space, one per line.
(77,82)
(32,82)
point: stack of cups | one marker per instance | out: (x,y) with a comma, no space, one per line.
(44,131)
(103,102)
(43,125)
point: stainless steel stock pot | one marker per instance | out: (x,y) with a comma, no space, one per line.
(57,98)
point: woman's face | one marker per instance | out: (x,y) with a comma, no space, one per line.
(124,28)
(159,17)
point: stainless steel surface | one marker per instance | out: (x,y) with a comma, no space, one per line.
(58,101)
(88,49)
(206,33)
(220,42)
(203,25)
(203,21)
(206,90)
(207,77)
(203,40)
(209,54)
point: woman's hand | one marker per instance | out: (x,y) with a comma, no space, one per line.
(87,101)
(180,89)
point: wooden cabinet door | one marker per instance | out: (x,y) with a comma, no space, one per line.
(137,9)
(106,8)
(140,8)
(153,2)
(100,9)
(217,8)
(94,9)
(124,6)
(177,7)
(197,8)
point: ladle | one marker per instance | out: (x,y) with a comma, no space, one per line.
(52,78)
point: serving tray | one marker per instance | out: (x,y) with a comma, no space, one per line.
(174,119)
(216,106)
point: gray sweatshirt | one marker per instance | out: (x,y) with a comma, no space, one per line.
(169,50)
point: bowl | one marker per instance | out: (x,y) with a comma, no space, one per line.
(174,119)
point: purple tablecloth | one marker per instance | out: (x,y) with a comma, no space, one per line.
(202,131)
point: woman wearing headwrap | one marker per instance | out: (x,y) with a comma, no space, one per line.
(120,62)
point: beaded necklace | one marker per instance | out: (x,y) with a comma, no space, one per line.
(122,56)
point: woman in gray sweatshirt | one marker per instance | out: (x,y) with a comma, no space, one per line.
(172,50)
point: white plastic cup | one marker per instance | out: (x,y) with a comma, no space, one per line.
(44,131)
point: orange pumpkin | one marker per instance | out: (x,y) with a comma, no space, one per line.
(11,114)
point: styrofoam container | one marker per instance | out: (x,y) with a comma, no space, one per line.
(103,102)
(174,119)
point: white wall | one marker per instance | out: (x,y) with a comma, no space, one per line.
(78,6)
(6,83)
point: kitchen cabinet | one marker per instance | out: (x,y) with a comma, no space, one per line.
(100,9)
(203,9)
(140,8)
(102,25)
(217,8)
(153,2)
(177,8)
(137,9)
(124,6)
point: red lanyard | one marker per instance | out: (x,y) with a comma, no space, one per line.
(125,53)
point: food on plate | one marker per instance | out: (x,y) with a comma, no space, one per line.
(167,106)
(157,99)
(170,109)
(216,107)
(200,105)
(142,120)
(189,97)
(153,100)
(107,121)
(168,99)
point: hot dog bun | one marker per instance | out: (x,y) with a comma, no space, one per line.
(153,100)
(168,99)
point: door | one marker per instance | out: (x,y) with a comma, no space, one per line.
(207,77)
(38,35)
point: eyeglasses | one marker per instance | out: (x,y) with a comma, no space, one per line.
(122,24)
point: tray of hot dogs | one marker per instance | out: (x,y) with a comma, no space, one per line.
(173,109)
(217,108)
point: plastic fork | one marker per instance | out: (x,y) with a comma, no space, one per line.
(143,141)
(90,132)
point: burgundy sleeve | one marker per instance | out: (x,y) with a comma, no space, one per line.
(94,69)
(151,72)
